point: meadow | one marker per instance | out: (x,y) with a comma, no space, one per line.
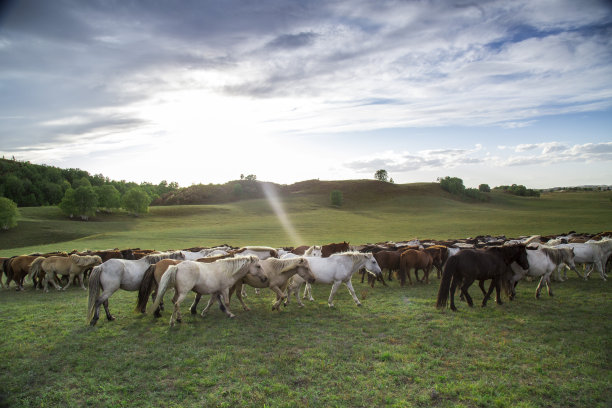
(396,350)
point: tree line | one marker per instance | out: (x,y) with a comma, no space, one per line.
(76,192)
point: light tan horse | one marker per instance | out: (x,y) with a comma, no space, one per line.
(214,278)
(152,277)
(278,272)
(74,265)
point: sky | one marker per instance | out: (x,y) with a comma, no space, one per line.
(495,92)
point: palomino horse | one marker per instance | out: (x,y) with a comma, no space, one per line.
(73,266)
(542,262)
(278,272)
(116,274)
(473,264)
(335,270)
(417,259)
(214,278)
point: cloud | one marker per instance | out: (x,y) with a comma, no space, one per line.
(424,159)
(556,152)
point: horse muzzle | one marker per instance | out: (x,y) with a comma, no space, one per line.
(263,279)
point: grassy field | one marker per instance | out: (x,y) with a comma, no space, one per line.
(404,212)
(396,350)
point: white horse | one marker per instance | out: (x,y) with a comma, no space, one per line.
(204,253)
(214,278)
(117,274)
(313,251)
(336,269)
(542,262)
(594,253)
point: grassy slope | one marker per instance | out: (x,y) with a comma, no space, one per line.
(371,212)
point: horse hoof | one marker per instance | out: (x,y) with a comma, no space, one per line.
(232,316)
(193,311)
(111,318)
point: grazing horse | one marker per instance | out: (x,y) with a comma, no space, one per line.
(116,274)
(480,264)
(73,266)
(417,259)
(278,272)
(329,249)
(542,262)
(214,278)
(335,270)
(389,260)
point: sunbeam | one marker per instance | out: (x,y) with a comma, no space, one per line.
(277,206)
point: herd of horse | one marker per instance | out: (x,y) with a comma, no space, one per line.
(222,271)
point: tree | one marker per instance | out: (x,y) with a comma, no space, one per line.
(8,213)
(336,198)
(136,201)
(81,182)
(251,177)
(68,204)
(238,190)
(453,185)
(86,202)
(391,180)
(484,188)
(381,175)
(108,197)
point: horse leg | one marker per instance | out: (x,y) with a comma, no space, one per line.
(239,286)
(177,310)
(82,281)
(349,285)
(389,276)
(548,285)
(279,297)
(334,289)
(487,294)
(453,286)
(308,288)
(70,277)
(194,306)
(225,306)
(539,288)
(464,288)
(208,305)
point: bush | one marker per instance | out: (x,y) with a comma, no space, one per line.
(453,185)
(336,198)
(136,201)
(8,213)
(484,188)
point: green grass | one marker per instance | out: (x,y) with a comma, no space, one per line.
(396,350)
(387,212)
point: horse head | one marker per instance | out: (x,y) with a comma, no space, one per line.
(256,269)
(304,271)
(371,265)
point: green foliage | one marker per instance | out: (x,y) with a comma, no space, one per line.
(518,190)
(336,198)
(484,188)
(136,201)
(474,194)
(81,202)
(251,177)
(35,185)
(453,185)
(381,175)
(8,213)
(238,190)
(108,196)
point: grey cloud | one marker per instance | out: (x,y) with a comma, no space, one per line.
(291,41)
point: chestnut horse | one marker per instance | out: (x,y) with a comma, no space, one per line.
(417,259)
(327,250)
(17,269)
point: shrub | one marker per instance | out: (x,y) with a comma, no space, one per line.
(453,185)
(336,198)
(8,213)
(484,188)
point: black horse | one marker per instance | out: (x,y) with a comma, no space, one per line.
(480,264)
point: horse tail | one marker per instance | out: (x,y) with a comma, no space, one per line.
(35,268)
(146,287)
(167,280)
(94,290)
(7,265)
(447,277)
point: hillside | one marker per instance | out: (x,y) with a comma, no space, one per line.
(372,212)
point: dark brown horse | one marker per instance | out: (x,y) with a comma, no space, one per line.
(329,249)
(417,259)
(389,260)
(469,265)
(17,268)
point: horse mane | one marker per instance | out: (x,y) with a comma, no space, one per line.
(284,265)
(237,263)
(84,260)
(533,239)
(354,255)
(154,258)
(554,254)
